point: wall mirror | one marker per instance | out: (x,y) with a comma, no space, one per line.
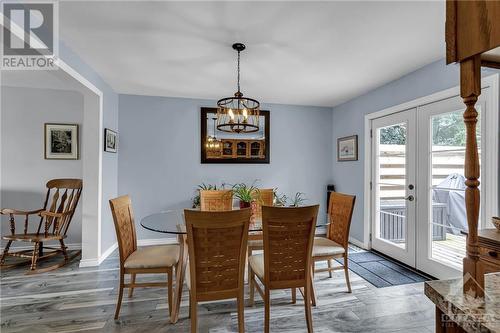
(228,147)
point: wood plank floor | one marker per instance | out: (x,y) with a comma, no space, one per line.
(76,299)
(450,251)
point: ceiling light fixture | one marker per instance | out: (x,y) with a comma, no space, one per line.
(238,114)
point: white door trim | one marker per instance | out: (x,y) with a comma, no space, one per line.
(493,102)
(92,172)
(92,163)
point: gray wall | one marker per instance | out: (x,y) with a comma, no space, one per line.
(109,160)
(24,171)
(348,119)
(159,162)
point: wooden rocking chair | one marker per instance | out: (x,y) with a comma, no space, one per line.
(55,220)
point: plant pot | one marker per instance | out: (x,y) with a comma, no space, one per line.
(244,204)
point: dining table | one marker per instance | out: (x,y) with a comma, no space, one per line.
(171,222)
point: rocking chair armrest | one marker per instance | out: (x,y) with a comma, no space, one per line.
(8,211)
(46,213)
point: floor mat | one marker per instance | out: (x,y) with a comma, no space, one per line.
(381,272)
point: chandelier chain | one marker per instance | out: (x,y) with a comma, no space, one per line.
(238,71)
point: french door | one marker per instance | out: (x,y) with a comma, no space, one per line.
(393,185)
(418,185)
(441,195)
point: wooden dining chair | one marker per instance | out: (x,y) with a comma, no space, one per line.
(286,263)
(146,260)
(54,219)
(217,244)
(265,197)
(216,200)
(336,243)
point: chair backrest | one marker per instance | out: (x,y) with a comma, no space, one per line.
(217,243)
(340,211)
(123,217)
(288,240)
(62,197)
(216,200)
(265,197)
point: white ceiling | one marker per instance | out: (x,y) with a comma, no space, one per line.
(309,53)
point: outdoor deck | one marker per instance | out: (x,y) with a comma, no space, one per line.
(450,251)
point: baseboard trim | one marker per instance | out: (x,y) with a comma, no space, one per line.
(93,262)
(89,263)
(358,243)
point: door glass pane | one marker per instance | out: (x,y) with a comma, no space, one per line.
(447,216)
(390,184)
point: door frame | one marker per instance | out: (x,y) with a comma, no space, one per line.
(492,144)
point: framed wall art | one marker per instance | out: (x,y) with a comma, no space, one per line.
(110,141)
(61,141)
(347,148)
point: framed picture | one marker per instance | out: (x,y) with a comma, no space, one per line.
(110,140)
(61,142)
(227,147)
(347,148)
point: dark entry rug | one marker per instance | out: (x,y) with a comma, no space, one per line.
(380,271)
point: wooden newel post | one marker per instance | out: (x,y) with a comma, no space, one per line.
(470,82)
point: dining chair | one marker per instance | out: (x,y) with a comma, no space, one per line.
(217,244)
(53,218)
(336,243)
(286,263)
(153,259)
(216,200)
(265,197)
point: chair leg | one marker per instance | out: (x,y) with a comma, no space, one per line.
(241,313)
(34,258)
(251,286)
(307,304)
(267,305)
(312,293)
(193,314)
(330,267)
(5,252)
(249,253)
(170,292)
(120,296)
(294,295)
(346,271)
(63,249)
(131,289)
(190,305)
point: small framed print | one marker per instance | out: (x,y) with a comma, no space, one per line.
(347,148)
(61,142)
(110,141)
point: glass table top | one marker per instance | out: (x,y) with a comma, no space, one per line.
(172,222)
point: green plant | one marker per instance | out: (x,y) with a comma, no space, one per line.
(202,186)
(246,193)
(298,200)
(279,198)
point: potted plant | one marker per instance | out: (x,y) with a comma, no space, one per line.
(245,194)
(298,200)
(279,198)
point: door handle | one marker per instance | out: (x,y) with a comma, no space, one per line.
(410,198)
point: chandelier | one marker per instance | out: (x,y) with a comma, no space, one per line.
(212,143)
(238,114)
